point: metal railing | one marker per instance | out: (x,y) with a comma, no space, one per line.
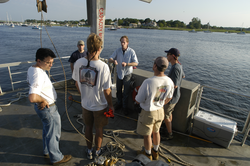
(54,67)
(14,64)
(246,122)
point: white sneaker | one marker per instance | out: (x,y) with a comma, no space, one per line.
(89,154)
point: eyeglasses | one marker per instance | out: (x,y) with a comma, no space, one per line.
(49,63)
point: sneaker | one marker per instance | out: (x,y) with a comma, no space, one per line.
(100,153)
(65,159)
(169,136)
(155,154)
(89,155)
(147,155)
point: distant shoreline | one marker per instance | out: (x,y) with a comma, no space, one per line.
(183,29)
(228,30)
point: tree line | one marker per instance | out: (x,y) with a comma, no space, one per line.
(195,23)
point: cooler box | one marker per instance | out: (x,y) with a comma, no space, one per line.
(214,128)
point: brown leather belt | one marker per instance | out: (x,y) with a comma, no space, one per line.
(52,104)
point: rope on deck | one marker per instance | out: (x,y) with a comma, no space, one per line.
(179,161)
(19,94)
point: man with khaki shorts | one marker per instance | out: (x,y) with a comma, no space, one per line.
(153,94)
(93,81)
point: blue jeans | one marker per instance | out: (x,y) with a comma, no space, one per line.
(123,97)
(51,132)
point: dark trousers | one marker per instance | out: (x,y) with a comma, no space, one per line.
(122,97)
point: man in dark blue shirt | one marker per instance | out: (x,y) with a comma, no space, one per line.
(77,54)
(176,74)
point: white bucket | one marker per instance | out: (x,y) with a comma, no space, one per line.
(113,92)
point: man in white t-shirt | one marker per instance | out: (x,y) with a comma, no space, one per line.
(153,94)
(43,94)
(93,82)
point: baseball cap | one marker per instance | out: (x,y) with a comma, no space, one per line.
(162,62)
(80,42)
(174,51)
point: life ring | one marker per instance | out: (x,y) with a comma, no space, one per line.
(135,91)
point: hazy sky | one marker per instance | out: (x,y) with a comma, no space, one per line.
(226,13)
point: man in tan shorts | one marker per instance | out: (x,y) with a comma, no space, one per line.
(153,94)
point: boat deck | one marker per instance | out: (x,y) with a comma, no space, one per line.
(21,139)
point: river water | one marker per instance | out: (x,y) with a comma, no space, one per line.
(218,60)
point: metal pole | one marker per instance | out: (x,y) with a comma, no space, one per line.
(10,78)
(199,99)
(245,135)
(96,17)
(197,105)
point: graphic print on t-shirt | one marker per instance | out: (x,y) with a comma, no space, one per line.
(161,92)
(88,75)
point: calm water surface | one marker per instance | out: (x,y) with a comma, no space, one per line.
(214,59)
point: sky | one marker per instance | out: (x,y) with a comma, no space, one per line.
(225,13)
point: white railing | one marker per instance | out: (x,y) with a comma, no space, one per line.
(14,64)
(55,67)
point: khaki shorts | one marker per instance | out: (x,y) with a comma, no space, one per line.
(168,109)
(149,121)
(94,117)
